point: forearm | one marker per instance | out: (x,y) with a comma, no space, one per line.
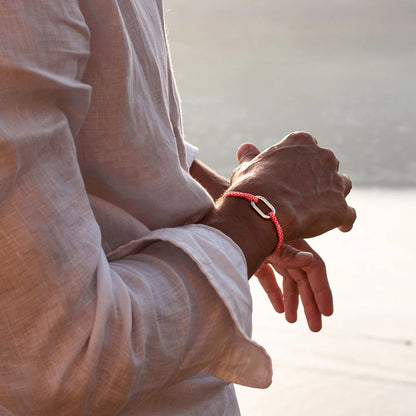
(214,183)
(255,236)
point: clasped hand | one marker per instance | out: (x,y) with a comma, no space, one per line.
(312,198)
(304,274)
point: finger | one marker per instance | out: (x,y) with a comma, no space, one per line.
(247,152)
(267,279)
(310,307)
(291,299)
(318,279)
(350,218)
(347,183)
(329,157)
(287,256)
(321,290)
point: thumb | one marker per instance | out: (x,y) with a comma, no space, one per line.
(297,258)
(246,152)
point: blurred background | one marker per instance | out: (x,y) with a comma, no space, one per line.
(345,71)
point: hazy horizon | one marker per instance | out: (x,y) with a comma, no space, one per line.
(257,70)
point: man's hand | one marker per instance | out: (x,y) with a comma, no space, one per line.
(310,200)
(301,180)
(304,274)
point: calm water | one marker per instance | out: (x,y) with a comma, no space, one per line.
(343,70)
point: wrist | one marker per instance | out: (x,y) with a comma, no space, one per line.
(282,200)
(268,214)
(256,236)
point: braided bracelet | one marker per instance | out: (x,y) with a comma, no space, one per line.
(271,215)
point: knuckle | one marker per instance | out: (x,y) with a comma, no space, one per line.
(298,277)
(347,181)
(352,215)
(302,137)
(338,182)
(342,210)
(329,157)
(320,264)
(344,183)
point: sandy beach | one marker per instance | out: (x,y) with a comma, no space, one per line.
(363,362)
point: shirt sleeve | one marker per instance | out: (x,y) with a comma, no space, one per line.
(80,333)
(191,152)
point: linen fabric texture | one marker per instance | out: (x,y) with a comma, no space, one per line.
(113,301)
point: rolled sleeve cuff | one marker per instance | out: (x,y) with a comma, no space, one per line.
(223,264)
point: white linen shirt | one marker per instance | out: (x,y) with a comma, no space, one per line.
(113,301)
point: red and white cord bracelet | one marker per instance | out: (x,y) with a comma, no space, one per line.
(254,199)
